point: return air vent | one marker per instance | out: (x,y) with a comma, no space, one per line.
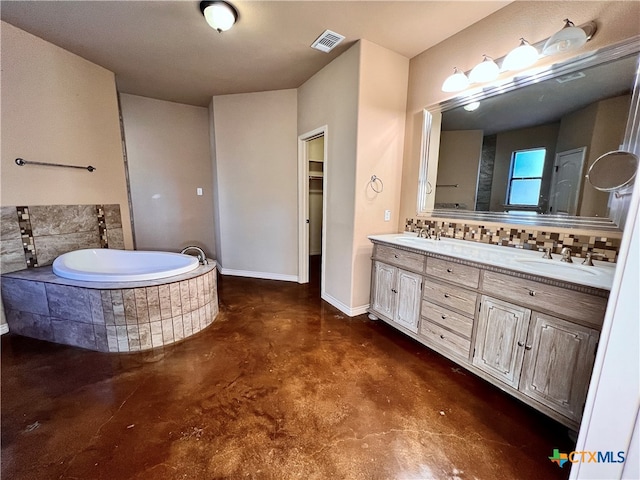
(327,41)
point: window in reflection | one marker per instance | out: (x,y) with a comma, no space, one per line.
(525,179)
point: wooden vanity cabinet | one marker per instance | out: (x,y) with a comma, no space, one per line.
(395,291)
(535,338)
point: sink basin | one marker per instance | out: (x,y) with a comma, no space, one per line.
(415,241)
(551,267)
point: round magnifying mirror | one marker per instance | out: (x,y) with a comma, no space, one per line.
(613,171)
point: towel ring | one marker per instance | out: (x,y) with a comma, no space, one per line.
(373,183)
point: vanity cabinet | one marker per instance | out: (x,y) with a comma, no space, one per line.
(533,337)
(546,358)
(396,295)
(448,307)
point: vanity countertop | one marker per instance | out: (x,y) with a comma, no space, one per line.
(526,261)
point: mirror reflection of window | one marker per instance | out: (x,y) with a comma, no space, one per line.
(525,179)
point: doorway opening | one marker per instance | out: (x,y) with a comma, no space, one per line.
(312,188)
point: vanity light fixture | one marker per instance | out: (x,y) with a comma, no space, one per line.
(471,107)
(485,71)
(521,57)
(220,15)
(455,82)
(569,38)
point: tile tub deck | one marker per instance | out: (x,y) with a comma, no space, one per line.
(107,316)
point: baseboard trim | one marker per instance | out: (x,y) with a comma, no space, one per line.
(351,312)
(4,328)
(261,275)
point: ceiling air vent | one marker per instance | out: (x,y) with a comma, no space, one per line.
(327,41)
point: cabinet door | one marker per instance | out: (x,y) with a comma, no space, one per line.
(500,339)
(408,302)
(557,364)
(383,298)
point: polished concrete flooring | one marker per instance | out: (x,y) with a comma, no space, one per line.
(281,386)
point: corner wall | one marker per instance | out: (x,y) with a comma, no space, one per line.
(256,180)
(169,158)
(59,108)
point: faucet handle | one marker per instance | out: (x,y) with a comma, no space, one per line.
(566,255)
(587,259)
(547,253)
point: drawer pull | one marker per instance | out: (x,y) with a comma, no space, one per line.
(446,295)
(394,290)
(449,270)
(520,344)
(395,255)
(442,337)
(528,347)
(532,293)
(444,316)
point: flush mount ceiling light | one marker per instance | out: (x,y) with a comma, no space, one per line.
(455,82)
(485,71)
(520,57)
(220,15)
(569,38)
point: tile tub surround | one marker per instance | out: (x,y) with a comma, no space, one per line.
(529,238)
(33,236)
(110,317)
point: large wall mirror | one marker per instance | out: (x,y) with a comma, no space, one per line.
(519,153)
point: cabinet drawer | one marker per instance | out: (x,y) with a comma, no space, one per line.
(410,260)
(453,272)
(450,296)
(583,307)
(446,318)
(444,338)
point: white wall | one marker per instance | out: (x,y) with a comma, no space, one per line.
(59,108)
(256,180)
(169,158)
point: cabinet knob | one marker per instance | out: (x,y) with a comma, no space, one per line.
(449,270)
(532,293)
(528,347)
(395,255)
(520,344)
(442,337)
(446,295)
(444,316)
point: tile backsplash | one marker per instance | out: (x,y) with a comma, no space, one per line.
(33,236)
(529,238)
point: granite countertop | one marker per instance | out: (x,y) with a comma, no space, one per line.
(46,275)
(515,259)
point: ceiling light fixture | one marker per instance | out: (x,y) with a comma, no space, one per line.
(520,57)
(455,82)
(220,15)
(569,38)
(471,107)
(485,71)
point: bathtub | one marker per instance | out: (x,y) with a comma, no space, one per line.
(110,265)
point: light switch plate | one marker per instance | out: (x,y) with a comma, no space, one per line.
(387,215)
(199,191)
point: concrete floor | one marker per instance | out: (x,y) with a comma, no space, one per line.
(281,386)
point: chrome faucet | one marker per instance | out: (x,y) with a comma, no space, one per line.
(566,255)
(426,232)
(587,260)
(547,253)
(202,257)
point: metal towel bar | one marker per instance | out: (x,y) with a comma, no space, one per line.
(21,162)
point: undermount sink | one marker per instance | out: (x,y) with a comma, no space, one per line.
(415,240)
(554,267)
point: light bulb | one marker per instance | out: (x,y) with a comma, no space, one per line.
(485,71)
(455,82)
(569,38)
(520,57)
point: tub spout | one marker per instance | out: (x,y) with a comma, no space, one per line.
(202,257)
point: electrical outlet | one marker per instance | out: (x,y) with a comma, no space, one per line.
(387,215)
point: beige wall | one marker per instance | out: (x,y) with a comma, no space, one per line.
(169,158)
(59,108)
(330,98)
(495,36)
(256,180)
(382,103)
(458,164)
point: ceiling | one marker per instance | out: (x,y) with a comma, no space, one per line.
(166,50)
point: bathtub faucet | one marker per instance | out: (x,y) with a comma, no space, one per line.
(202,257)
